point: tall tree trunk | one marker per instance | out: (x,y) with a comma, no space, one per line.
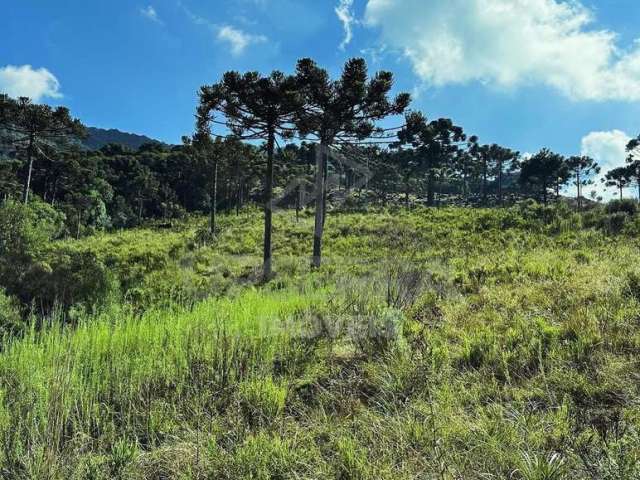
(430,189)
(213,202)
(54,191)
(237,174)
(319,194)
(578,189)
(484,182)
(500,183)
(27,183)
(406,190)
(620,187)
(268,208)
(298,195)
(325,189)
(544,192)
(465,187)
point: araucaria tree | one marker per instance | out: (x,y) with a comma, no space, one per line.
(618,178)
(206,153)
(254,107)
(633,161)
(338,112)
(29,128)
(501,158)
(582,169)
(435,144)
(543,171)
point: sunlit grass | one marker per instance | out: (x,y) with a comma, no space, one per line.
(444,343)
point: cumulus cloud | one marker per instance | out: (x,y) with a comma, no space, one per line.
(609,149)
(25,81)
(150,13)
(508,44)
(237,39)
(345,15)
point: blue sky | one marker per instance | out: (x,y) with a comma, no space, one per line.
(524,73)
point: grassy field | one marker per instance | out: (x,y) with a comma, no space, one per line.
(434,344)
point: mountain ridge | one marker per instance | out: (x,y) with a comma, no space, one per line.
(99,137)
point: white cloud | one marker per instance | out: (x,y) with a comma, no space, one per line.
(345,15)
(25,81)
(609,149)
(508,44)
(237,39)
(150,13)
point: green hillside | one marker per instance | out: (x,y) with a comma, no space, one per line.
(434,343)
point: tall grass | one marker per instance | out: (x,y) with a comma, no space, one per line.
(108,377)
(441,344)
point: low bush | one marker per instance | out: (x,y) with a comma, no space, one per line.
(628,206)
(11,322)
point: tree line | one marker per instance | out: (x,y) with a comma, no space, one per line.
(302,138)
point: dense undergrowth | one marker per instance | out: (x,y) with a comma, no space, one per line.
(435,343)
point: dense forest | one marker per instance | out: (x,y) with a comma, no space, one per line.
(318,282)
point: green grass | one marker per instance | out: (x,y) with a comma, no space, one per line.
(439,343)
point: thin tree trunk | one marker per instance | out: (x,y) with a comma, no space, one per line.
(465,187)
(27,184)
(430,186)
(500,183)
(406,193)
(319,194)
(298,195)
(213,202)
(54,192)
(620,192)
(325,190)
(238,186)
(484,183)
(268,208)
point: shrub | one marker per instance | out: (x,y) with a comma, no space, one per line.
(66,277)
(11,323)
(628,206)
(614,223)
(632,285)
(25,231)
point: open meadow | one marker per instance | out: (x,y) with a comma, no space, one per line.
(434,343)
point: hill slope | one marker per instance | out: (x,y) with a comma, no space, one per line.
(449,343)
(99,137)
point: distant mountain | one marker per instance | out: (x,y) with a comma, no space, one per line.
(99,137)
